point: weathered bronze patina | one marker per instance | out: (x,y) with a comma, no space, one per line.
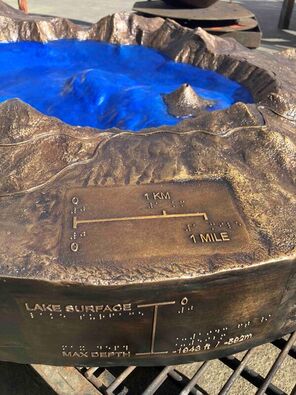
(164,246)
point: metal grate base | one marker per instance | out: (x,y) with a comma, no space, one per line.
(170,380)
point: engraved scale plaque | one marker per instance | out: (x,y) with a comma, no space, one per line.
(163,220)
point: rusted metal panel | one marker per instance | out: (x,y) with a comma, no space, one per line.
(218,11)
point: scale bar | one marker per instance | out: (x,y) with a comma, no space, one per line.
(164,215)
(151,353)
(155,304)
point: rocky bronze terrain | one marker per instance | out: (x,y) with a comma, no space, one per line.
(250,149)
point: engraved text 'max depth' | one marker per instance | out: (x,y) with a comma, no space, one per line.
(130,222)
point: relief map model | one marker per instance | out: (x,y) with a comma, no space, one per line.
(89,83)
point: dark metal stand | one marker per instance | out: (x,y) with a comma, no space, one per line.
(286,13)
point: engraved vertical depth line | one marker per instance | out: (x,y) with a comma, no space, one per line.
(155,312)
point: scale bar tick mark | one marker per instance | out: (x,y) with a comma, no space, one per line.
(151,353)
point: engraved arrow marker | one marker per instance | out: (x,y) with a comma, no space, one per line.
(164,215)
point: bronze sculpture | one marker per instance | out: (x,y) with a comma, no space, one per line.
(166,246)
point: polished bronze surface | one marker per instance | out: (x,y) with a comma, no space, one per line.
(165,322)
(168,245)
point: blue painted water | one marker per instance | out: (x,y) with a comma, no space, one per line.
(91,83)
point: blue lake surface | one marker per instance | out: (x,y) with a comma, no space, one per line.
(90,83)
